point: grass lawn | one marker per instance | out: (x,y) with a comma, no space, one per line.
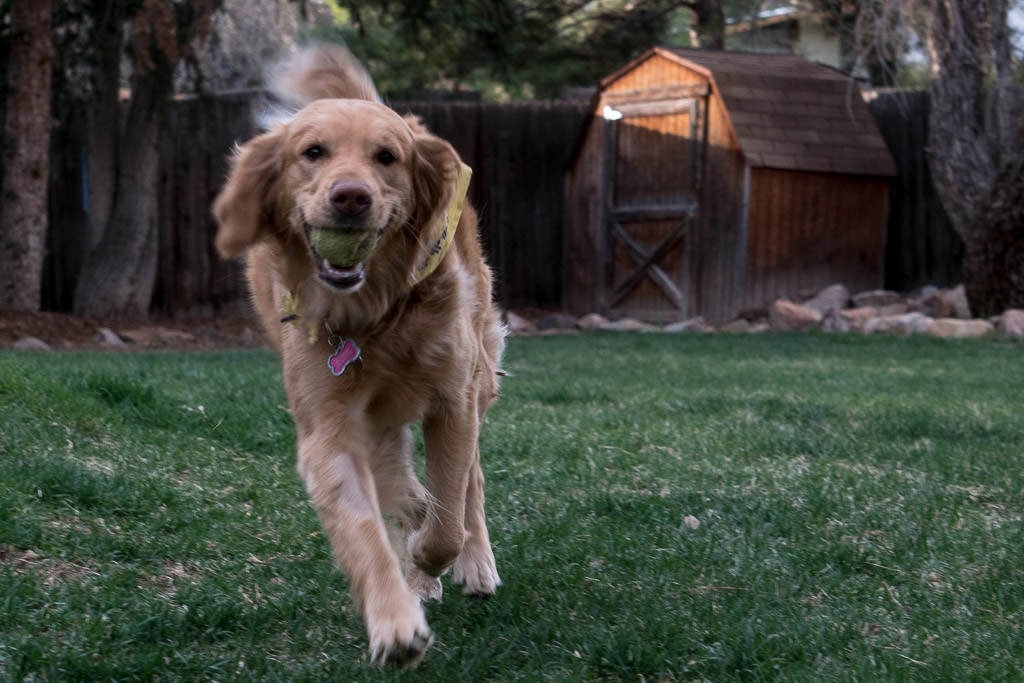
(858,507)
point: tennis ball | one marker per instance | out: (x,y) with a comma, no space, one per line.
(344,248)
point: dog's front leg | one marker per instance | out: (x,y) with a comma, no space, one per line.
(450,437)
(475,569)
(341,486)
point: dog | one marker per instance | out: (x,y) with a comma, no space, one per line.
(408,333)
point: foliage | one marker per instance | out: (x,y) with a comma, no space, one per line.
(245,37)
(859,502)
(509,48)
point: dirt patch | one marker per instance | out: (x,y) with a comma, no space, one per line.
(47,570)
(62,332)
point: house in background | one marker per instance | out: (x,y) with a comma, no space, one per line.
(788,28)
(712,182)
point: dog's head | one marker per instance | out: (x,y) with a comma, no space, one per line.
(339,172)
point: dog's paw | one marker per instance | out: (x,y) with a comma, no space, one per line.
(425,586)
(432,555)
(400,641)
(476,571)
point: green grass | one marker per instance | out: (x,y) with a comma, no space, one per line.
(860,504)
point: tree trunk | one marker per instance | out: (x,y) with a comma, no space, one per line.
(709,25)
(26,176)
(118,276)
(104,121)
(994,260)
(976,149)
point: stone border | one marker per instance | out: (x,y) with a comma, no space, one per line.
(930,311)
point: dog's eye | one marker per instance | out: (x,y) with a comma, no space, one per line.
(386,157)
(313,152)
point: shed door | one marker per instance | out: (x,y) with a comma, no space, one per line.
(651,178)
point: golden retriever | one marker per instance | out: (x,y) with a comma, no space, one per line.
(409,333)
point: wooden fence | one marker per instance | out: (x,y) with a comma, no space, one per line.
(519,153)
(921,246)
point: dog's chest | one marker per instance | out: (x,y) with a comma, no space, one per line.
(400,383)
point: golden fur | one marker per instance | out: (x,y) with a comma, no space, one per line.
(430,351)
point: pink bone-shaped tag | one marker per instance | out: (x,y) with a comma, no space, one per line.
(346,353)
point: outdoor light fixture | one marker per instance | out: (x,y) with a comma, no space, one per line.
(610,113)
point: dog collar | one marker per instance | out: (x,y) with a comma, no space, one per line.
(346,351)
(443,231)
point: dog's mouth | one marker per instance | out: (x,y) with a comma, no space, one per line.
(340,254)
(338,277)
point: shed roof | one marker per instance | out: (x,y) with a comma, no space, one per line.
(788,112)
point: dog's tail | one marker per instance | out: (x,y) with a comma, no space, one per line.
(316,72)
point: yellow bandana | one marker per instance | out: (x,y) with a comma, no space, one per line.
(441,233)
(291,312)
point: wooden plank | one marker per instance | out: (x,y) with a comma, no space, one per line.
(647,266)
(665,92)
(606,265)
(655,212)
(659,108)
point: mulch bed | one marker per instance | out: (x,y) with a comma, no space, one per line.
(63,332)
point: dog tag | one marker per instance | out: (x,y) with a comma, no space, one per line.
(345,353)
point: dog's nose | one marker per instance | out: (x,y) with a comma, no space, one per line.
(350,197)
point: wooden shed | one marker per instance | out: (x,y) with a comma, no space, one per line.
(711,183)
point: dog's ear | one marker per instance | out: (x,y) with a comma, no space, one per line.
(434,177)
(245,208)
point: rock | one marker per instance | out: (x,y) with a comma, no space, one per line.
(858,317)
(166,334)
(787,316)
(955,328)
(556,321)
(31,344)
(156,336)
(517,324)
(591,321)
(897,325)
(834,321)
(925,292)
(834,298)
(107,337)
(141,335)
(691,522)
(956,298)
(935,306)
(1011,323)
(876,298)
(250,337)
(898,308)
(628,325)
(698,325)
(737,326)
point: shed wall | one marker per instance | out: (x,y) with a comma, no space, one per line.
(656,72)
(809,230)
(718,249)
